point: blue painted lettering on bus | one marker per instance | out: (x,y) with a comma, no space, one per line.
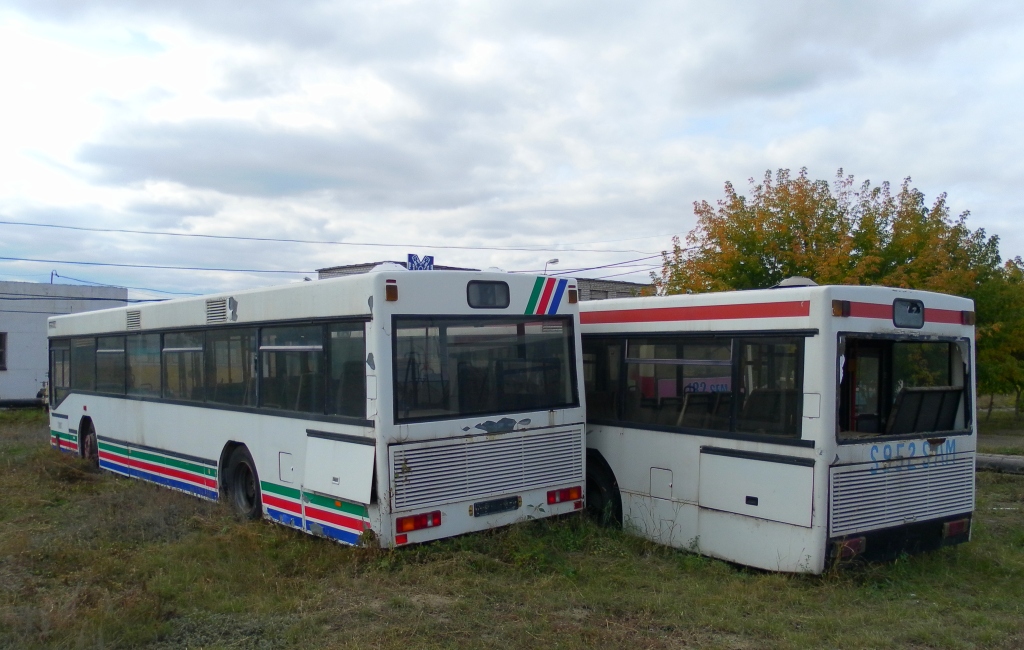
(884,458)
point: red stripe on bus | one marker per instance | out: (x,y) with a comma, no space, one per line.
(157,469)
(884,312)
(175,473)
(542,304)
(334,518)
(870,310)
(948,316)
(271,500)
(65,444)
(706,312)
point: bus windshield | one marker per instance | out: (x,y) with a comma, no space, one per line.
(446,367)
(901,387)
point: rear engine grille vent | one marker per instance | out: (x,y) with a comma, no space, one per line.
(434,473)
(917,491)
(133,319)
(217,310)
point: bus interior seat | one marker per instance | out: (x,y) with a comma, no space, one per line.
(924,409)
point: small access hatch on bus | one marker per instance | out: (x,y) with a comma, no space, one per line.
(339,465)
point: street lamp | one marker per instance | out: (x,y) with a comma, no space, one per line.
(551,261)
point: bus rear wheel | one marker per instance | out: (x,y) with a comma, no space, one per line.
(243,485)
(604,503)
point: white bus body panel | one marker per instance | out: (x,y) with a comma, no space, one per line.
(707,508)
(302,472)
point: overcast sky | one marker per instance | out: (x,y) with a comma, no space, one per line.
(591,126)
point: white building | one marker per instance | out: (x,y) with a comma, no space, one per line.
(24,308)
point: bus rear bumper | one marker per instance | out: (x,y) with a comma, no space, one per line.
(907,539)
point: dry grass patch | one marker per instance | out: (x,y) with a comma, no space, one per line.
(93,561)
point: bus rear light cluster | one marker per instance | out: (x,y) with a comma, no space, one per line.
(967,318)
(418,522)
(391,290)
(574,295)
(956,528)
(566,494)
(850,548)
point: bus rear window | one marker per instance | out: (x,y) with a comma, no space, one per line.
(454,367)
(900,387)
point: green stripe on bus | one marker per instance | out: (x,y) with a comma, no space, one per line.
(327,502)
(537,286)
(172,462)
(64,436)
(117,449)
(281,490)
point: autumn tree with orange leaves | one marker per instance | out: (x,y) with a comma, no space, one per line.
(842,233)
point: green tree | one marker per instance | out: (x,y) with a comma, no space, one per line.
(832,233)
(841,233)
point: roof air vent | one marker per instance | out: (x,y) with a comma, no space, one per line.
(217,310)
(796,281)
(133,319)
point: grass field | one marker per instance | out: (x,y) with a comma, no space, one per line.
(92,561)
(1000,432)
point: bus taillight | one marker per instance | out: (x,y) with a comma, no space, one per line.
(567,494)
(956,527)
(417,522)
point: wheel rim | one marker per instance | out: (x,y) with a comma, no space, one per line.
(245,488)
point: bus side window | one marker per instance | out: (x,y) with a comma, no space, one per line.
(110,365)
(346,382)
(771,387)
(601,364)
(83,364)
(60,370)
(143,352)
(292,368)
(230,375)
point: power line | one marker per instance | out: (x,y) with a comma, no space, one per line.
(152,266)
(38,297)
(118,286)
(591,268)
(317,241)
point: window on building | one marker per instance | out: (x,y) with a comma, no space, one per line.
(3,350)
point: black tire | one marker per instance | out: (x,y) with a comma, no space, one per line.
(242,485)
(88,446)
(604,503)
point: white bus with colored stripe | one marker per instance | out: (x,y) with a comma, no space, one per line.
(396,406)
(787,428)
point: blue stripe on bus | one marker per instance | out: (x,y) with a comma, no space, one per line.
(114,467)
(557,298)
(174,483)
(285,518)
(334,533)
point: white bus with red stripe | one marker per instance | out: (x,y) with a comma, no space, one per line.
(786,428)
(396,406)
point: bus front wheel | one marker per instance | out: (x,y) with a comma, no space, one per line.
(604,503)
(243,485)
